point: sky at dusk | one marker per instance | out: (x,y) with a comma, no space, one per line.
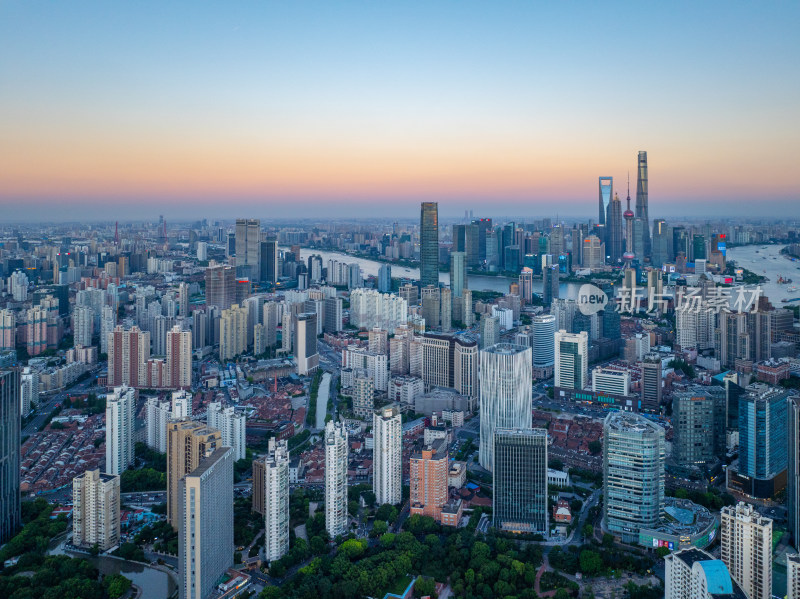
(120,110)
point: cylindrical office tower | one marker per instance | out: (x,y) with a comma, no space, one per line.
(505,389)
(544,328)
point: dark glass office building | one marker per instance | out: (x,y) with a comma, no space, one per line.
(9,454)
(429,244)
(519,502)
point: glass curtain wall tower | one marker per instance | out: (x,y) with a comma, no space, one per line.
(429,244)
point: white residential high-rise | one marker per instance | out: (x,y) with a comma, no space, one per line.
(370,308)
(336,518)
(571,359)
(376,364)
(120,408)
(505,393)
(276,501)
(8,329)
(387,467)
(83,326)
(746,548)
(95,510)
(692,573)
(29,389)
(181,404)
(158,414)
(793,576)
(108,320)
(232,426)
(232,332)
(205,524)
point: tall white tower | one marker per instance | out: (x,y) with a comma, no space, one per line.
(276,501)
(505,393)
(120,407)
(387,468)
(335,479)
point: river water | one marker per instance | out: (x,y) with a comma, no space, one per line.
(474,282)
(767,261)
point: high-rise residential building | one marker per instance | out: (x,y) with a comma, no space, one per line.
(642,211)
(95,510)
(188,442)
(205,524)
(231,424)
(490,330)
(363,393)
(429,244)
(220,286)
(692,573)
(332,314)
(128,352)
(571,359)
(306,353)
(693,427)
(179,358)
(83,325)
(446,309)
(108,320)
(120,422)
(336,446)
(232,332)
(633,474)
(651,383)
(369,309)
(276,501)
(248,247)
(431,306)
(606,187)
(269,261)
(458,273)
(429,479)
(763,419)
(8,329)
(157,414)
(793,472)
(505,393)
(10,424)
(793,576)
(28,389)
(746,548)
(519,499)
(387,467)
(36,330)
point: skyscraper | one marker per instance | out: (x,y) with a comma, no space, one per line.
(233,332)
(336,518)
(95,510)
(205,529)
(571,359)
(505,393)
(641,202)
(429,244)
(519,499)
(248,247)
(269,261)
(693,426)
(746,548)
(188,442)
(692,573)
(633,474)
(220,286)
(793,478)
(544,328)
(120,410)
(306,353)
(550,283)
(387,468)
(614,230)
(763,424)
(385,278)
(10,423)
(606,185)
(276,501)
(458,273)
(651,383)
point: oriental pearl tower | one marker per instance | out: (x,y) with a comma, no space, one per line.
(628,256)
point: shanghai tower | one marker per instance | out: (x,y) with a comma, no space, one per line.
(429,244)
(641,202)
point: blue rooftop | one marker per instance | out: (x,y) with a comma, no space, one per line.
(684,516)
(718,578)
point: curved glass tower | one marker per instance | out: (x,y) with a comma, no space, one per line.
(505,390)
(544,329)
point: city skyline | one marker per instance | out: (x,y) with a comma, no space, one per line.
(264,107)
